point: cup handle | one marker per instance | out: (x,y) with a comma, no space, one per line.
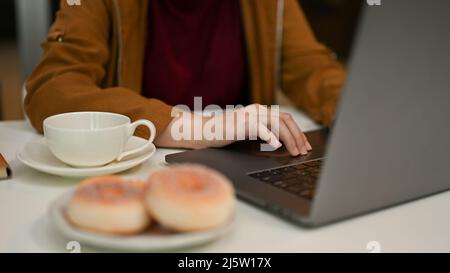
(131,128)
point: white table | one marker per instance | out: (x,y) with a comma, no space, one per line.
(423,225)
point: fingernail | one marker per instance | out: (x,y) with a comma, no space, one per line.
(304,151)
(276,144)
(308,146)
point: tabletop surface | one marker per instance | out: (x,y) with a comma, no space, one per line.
(423,225)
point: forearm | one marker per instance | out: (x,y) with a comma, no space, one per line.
(194,131)
(168,140)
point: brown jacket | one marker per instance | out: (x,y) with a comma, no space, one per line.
(93,61)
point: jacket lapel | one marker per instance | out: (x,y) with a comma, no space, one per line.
(132,18)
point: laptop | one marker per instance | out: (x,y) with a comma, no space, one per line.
(391,140)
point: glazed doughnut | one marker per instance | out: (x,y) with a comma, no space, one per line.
(108,205)
(189,198)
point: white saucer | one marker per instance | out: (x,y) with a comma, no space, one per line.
(36,155)
(152,240)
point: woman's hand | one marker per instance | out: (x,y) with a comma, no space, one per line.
(251,122)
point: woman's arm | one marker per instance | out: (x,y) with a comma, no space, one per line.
(311,76)
(73,68)
(251,122)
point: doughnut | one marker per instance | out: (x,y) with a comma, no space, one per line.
(108,205)
(188,198)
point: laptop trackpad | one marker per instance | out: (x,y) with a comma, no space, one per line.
(241,158)
(280,157)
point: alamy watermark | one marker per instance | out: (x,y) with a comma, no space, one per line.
(234,123)
(73,247)
(374,247)
(373,2)
(73,2)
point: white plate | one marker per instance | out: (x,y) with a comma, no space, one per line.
(37,155)
(152,240)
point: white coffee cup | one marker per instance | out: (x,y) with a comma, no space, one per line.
(91,139)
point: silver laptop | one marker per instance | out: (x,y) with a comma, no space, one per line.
(391,140)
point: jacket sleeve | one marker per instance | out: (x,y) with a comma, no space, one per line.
(311,76)
(72,71)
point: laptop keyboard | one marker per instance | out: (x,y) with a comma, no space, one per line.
(298,179)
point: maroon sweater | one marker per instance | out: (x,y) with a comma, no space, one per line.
(195,48)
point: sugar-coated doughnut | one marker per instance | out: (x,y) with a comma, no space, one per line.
(189,198)
(108,205)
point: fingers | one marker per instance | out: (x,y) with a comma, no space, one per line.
(285,135)
(289,132)
(300,139)
(266,135)
(288,140)
(308,145)
(258,127)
